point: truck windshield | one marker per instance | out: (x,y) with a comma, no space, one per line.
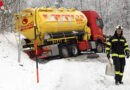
(99,22)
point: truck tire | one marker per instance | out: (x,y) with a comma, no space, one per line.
(74,50)
(99,48)
(64,52)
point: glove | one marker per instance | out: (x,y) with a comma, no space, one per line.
(108,56)
(127,54)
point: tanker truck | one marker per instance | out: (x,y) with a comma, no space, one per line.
(60,32)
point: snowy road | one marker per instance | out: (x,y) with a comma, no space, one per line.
(77,73)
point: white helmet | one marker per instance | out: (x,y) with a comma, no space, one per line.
(119,27)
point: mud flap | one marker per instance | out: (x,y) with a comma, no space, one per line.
(110,70)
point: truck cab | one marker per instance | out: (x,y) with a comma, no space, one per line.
(96,25)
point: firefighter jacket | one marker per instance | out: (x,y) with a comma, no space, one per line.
(117,45)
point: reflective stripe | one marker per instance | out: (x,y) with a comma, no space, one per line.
(126,44)
(121,74)
(122,40)
(117,55)
(114,40)
(108,43)
(126,48)
(107,48)
(117,72)
(114,54)
(121,56)
(107,52)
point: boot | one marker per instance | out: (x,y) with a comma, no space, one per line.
(117,82)
(120,82)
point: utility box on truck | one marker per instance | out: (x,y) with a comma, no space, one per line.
(60,32)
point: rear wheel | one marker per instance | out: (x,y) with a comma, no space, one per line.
(74,50)
(64,52)
(99,48)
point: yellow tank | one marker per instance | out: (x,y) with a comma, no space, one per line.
(50,20)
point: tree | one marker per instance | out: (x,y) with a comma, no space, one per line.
(11,7)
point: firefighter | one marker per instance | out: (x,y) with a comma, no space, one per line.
(118,48)
(106,39)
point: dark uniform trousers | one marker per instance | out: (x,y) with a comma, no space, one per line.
(119,67)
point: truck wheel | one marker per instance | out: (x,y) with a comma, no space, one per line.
(74,50)
(64,52)
(99,48)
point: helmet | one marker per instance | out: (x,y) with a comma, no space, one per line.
(119,27)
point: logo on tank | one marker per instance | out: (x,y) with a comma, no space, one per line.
(24,21)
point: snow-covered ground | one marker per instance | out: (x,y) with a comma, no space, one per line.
(77,73)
